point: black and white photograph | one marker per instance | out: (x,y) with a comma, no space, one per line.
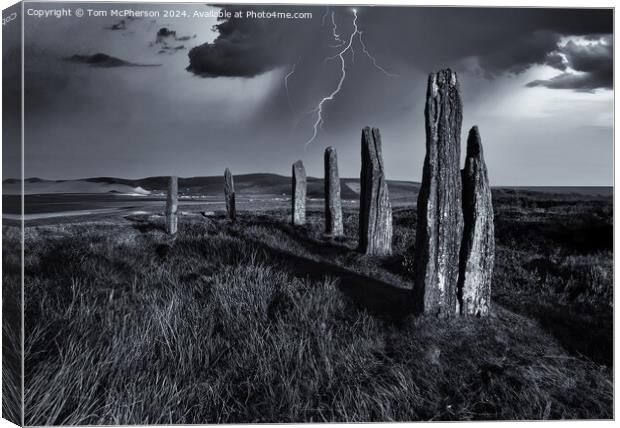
(306,213)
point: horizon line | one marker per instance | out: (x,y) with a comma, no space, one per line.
(284,176)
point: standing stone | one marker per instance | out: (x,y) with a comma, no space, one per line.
(172,206)
(440,217)
(375,228)
(333,207)
(229,195)
(299,193)
(478,247)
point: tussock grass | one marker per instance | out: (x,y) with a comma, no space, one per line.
(11,326)
(261,322)
(555,264)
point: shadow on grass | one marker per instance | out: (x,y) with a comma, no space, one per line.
(304,236)
(381,299)
(343,248)
(378,297)
(145,226)
(579,333)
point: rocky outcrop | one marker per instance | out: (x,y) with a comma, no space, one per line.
(440,217)
(333,205)
(172,206)
(478,246)
(299,193)
(375,219)
(229,195)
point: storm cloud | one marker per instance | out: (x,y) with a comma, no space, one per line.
(499,40)
(105,61)
(267,77)
(590,64)
(244,47)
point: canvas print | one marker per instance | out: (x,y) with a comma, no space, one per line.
(256,213)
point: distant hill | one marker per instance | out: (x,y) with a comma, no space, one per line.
(564,190)
(250,184)
(40,186)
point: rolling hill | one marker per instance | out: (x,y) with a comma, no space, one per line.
(251,184)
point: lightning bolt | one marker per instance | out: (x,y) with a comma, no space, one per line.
(288,75)
(335,32)
(318,123)
(324,16)
(372,58)
(343,74)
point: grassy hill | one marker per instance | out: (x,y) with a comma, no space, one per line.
(260,321)
(247,184)
(266,184)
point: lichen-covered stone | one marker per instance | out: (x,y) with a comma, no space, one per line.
(299,193)
(229,195)
(172,206)
(440,217)
(375,220)
(478,246)
(333,205)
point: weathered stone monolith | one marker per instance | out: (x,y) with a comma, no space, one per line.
(299,193)
(333,206)
(375,220)
(172,206)
(478,246)
(440,217)
(229,195)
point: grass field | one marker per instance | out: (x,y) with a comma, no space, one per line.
(262,322)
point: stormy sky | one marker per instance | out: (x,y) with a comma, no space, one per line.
(107,96)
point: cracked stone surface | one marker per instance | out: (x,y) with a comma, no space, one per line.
(375,222)
(333,204)
(440,217)
(229,195)
(478,246)
(172,206)
(299,193)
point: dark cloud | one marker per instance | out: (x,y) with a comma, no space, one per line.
(119,26)
(578,82)
(590,64)
(231,59)
(170,49)
(122,24)
(503,40)
(165,37)
(590,57)
(105,61)
(255,116)
(165,33)
(247,47)
(522,53)
(555,60)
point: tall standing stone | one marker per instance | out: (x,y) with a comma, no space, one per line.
(440,217)
(333,205)
(478,246)
(172,206)
(375,220)
(229,195)
(299,193)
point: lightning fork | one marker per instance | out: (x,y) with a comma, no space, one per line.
(318,124)
(343,74)
(372,58)
(288,75)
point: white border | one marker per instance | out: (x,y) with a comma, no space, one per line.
(480,3)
